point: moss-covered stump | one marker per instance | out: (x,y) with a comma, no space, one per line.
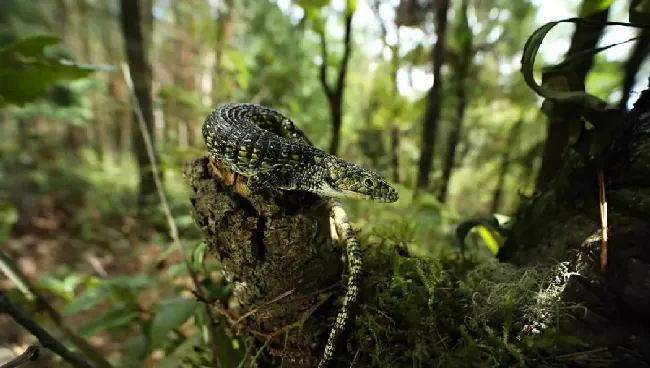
(562,224)
(276,252)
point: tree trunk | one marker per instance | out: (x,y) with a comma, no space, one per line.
(434,99)
(225,32)
(585,37)
(393,128)
(335,94)
(394,153)
(140,71)
(562,224)
(637,57)
(464,61)
(276,250)
(75,136)
(505,165)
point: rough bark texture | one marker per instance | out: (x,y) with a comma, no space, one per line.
(276,252)
(562,224)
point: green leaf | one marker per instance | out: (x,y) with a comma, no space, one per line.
(351,6)
(8,217)
(529,55)
(31,46)
(134,351)
(63,288)
(171,313)
(130,282)
(26,73)
(198,254)
(312,4)
(183,350)
(111,319)
(88,299)
(590,7)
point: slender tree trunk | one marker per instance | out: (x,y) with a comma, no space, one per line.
(557,133)
(118,108)
(393,128)
(75,136)
(394,153)
(225,32)
(335,94)
(637,57)
(140,71)
(505,165)
(434,98)
(97,126)
(464,61)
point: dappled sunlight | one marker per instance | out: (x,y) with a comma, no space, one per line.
(145,224)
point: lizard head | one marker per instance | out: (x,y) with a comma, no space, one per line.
(346,180)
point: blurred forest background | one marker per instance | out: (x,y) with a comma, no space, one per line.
(427,93)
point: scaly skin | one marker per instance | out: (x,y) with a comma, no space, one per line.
(270,151)
(264,146)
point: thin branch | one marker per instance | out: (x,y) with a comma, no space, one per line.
(46,340)
(31,354)
(323,67)
(173,230)
(12,272)
(345,61)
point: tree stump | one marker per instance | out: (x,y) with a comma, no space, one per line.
(277,253)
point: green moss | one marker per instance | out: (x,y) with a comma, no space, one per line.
(442,312)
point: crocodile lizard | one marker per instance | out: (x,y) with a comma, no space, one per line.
(271,152)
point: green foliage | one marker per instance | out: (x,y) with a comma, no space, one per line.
(8,217)
(170,314)
(588,8)
(25,63)
(427,311)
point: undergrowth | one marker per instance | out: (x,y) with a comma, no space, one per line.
(423,311)
(423,305)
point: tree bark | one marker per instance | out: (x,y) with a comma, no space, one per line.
(462,69)
(434,98)
(562,224)
(335,94)
(140,71)
(585,37)
(276,251)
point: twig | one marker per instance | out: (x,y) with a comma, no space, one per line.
(31,354)
(46,340)
(603,219)
(12,272)
(173,230)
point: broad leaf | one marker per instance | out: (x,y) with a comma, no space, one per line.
(88,299)
(171,313)
(26,72)
(529,55)
(111,319)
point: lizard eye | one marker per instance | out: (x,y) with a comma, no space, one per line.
(368,182)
